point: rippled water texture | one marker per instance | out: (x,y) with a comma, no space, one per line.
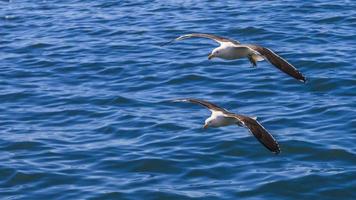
(85,110)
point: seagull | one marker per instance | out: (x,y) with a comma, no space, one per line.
(231,49)
(221,117)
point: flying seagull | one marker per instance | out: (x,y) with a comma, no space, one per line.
(231,49)
(221,117)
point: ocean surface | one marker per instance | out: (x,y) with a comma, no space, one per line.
(86,90)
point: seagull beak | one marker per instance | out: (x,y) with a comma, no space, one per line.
(210,56)
(205,126)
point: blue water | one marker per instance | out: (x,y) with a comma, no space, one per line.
(84,110)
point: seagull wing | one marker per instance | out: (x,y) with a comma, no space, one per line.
(278,62)
(259,132)
(212,107)
(218,39)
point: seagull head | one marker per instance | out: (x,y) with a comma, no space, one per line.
(207,123)
(213,54)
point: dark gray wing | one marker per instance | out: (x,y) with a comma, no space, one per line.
(216,38)
(259,132)
(207,104)
(279,62)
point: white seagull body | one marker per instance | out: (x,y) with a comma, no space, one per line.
(231,49)
(221,117)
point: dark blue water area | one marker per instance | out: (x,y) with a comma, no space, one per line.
(85,110)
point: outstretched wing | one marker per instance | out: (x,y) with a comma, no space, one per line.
(218,39)
(212,107)
(278,62)
(259,132)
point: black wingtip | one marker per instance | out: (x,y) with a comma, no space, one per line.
(178,100)
(299,76)
(275,149)
(167,43)
(303,79)
(276,152)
